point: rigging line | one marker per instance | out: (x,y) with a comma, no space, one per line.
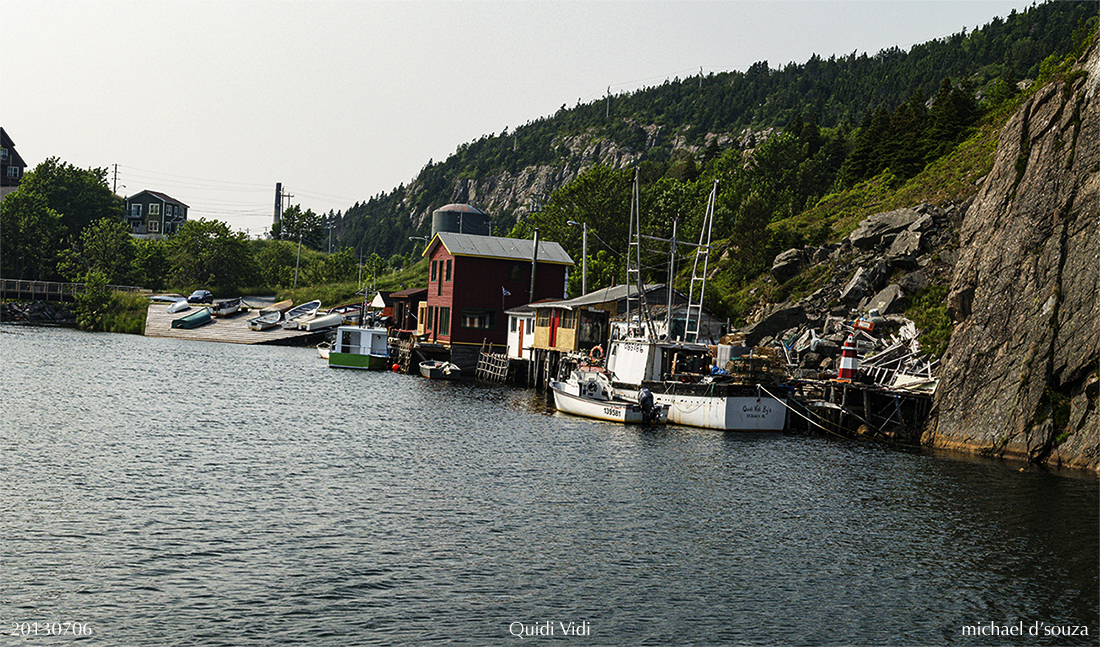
(592,233)
(798,413)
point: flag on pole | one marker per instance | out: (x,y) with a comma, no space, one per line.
(504,291)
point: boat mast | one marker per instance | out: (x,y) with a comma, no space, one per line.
(699,274)
(634,263)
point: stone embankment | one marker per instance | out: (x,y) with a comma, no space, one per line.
(38,312)
(1020,373)
(1019,378)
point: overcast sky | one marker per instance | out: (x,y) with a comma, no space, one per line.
(215,102)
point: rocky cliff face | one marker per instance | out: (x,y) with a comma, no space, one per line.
(519,193)
(1020,373)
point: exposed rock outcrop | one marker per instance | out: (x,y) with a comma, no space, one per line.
(36,312)
(1019,376)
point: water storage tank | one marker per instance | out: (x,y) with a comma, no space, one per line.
(460,219)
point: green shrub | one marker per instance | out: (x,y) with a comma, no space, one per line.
(929,312)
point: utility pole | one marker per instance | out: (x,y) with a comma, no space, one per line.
(534,264)
(279,195)
(607,112)
(278,204)
(584,254)
(298,260)
(115,189)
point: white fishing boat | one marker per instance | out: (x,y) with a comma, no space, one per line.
(359,347)
(679,373)
(180,305)
(590,394)
(292,316)
(679,376)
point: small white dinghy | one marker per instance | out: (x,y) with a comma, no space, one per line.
(590,394)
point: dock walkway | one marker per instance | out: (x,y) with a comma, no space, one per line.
(233,330)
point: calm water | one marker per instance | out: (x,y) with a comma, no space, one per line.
(161,492)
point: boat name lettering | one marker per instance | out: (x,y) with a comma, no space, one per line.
(757,410)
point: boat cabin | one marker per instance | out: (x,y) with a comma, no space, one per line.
(634,360)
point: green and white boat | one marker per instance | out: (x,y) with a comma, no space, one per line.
(359,347)
(193,319)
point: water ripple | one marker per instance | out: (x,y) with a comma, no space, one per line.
(179,493)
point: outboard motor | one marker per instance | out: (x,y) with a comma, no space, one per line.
(645,401)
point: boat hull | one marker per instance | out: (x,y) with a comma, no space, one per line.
(360,361)
(321,322)
(435,370)
(265,321)
(610,410)
(193,320)
(226,308)
(722,407)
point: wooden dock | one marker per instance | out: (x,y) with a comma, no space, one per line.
(233,329)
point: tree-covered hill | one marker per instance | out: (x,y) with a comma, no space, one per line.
(852,104)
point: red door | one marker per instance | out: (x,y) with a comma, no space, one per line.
(555,320)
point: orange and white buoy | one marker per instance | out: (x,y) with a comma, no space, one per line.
(849,360)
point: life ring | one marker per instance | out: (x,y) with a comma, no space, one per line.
(596,353)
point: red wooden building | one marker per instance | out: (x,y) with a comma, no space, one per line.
(472,280)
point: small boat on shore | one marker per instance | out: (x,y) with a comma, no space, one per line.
(589,394)
(362,348)
(439,370)
(266,320)
(193,319)
(226,307)
(279,307)
(351,313)
(323,349)
(291,317)
(320,322)
(181,305)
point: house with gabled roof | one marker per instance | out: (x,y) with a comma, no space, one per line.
(473,280)
(152,214)
(12,165)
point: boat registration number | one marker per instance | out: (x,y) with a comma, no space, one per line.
(613,411)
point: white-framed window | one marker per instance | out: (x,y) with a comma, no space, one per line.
(135,210)
(154,210)
(154,226)
(13,171)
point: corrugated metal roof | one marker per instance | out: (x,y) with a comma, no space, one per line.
(605,295)
(494,247)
